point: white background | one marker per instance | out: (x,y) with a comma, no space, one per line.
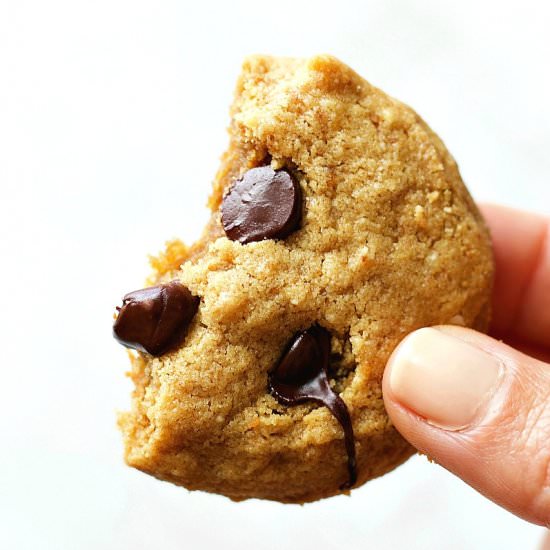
(112,118)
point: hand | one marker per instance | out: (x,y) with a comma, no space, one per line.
(478,406)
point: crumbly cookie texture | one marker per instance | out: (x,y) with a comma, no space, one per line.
(389,241)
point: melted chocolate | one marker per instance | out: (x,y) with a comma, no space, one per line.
(262,204)
(301,375)
(155,319)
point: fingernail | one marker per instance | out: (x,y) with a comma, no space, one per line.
(442,378)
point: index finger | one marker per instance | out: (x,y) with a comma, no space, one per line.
(521,295)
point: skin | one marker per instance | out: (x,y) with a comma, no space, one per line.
(507,457)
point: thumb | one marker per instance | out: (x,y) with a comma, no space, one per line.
(480,409)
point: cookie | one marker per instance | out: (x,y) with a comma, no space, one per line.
(339,224)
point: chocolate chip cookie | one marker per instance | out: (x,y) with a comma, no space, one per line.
(339,224)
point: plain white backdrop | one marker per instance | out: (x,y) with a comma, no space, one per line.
(112,121)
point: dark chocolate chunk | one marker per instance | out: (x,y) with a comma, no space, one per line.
(301,375)
(155,319)
(262,204)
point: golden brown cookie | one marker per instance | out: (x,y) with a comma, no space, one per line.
(339,224)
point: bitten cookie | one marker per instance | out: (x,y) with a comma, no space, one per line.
(339,224)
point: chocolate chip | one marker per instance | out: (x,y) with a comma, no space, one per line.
(155,319)
(301,375)
(262,204)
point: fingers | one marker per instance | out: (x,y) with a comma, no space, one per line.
(478,408)
(521,298)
